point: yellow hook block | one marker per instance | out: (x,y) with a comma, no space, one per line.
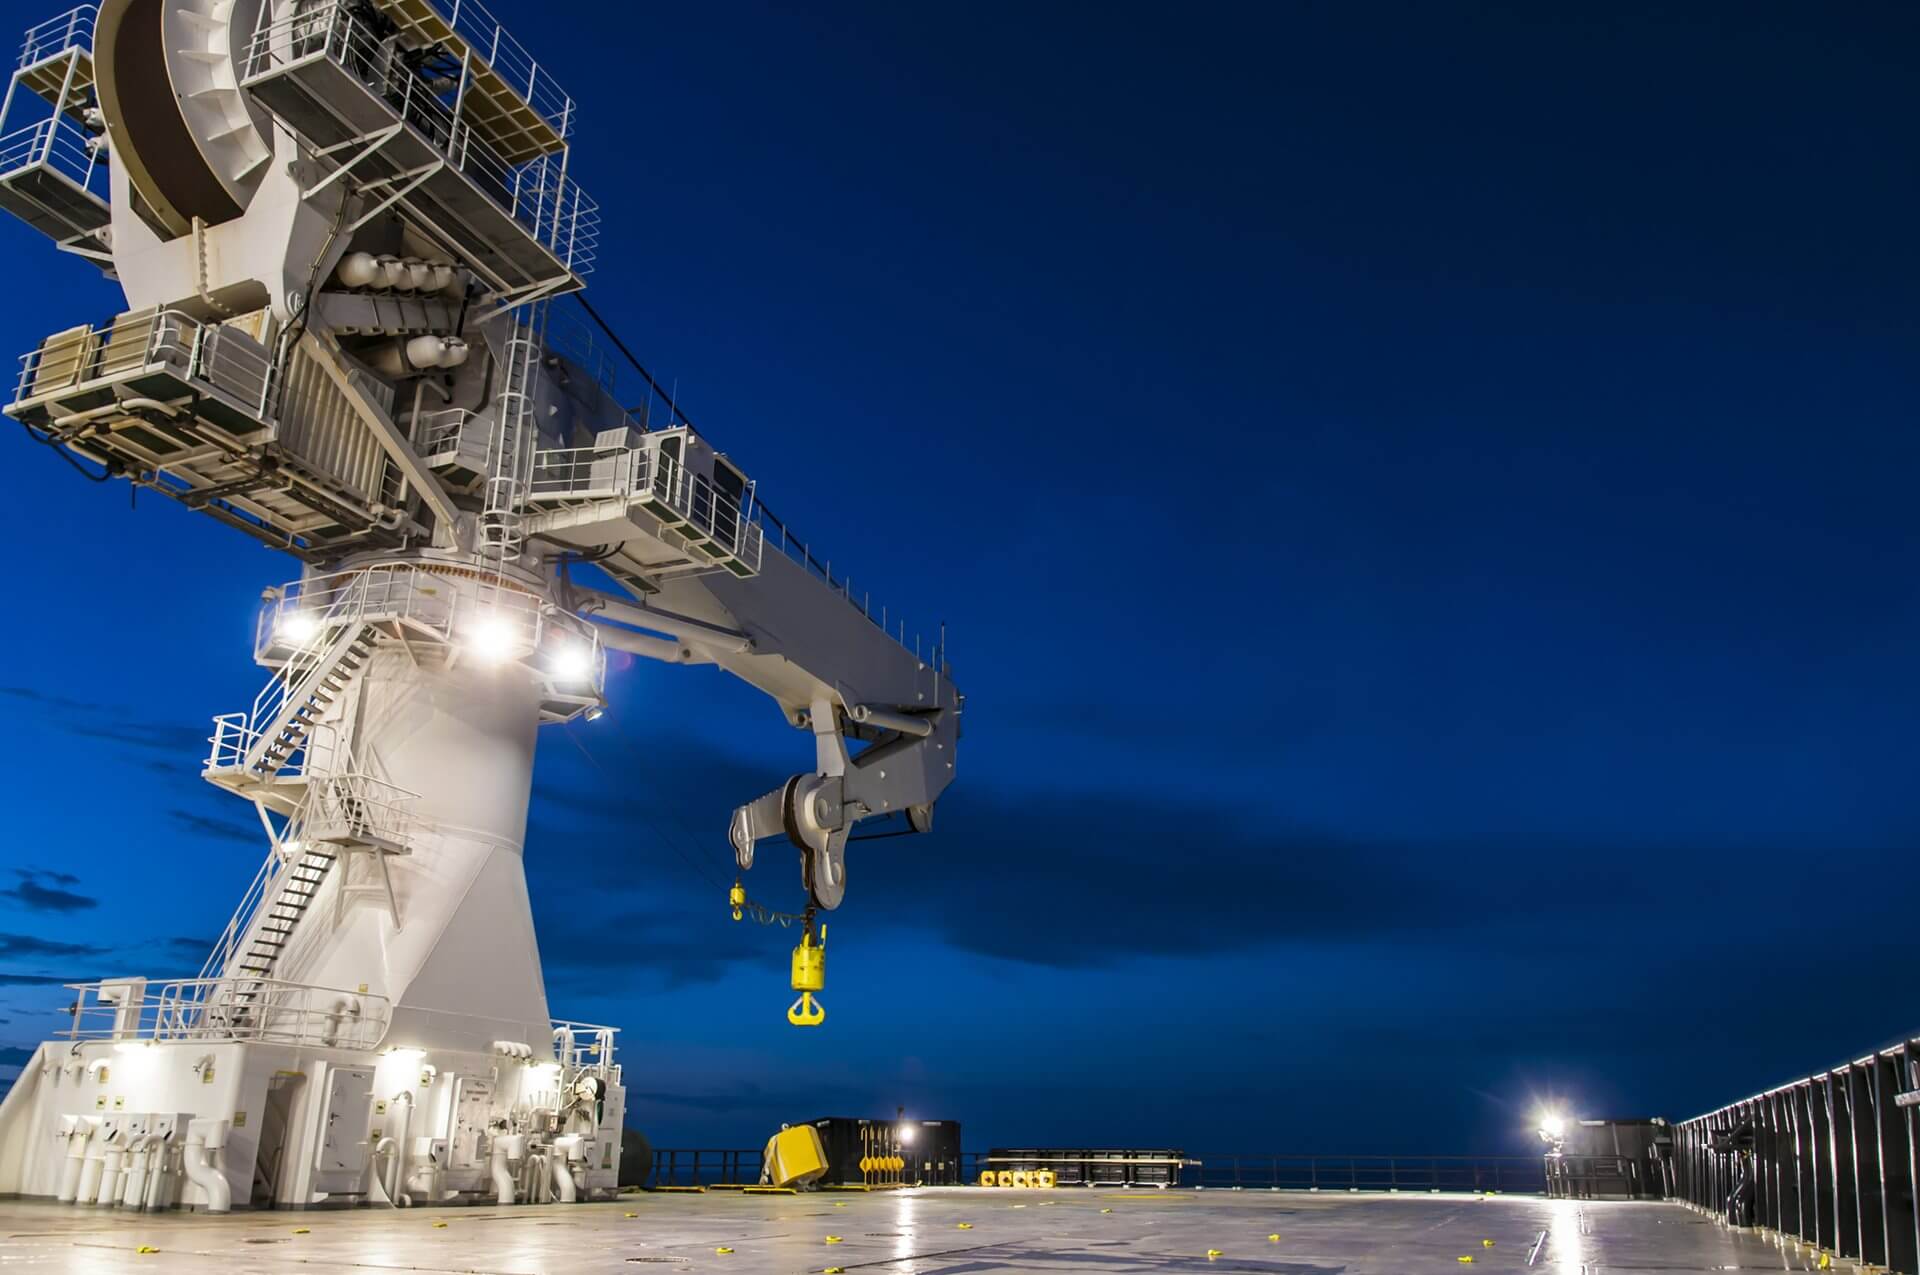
(737,899)
(809,976)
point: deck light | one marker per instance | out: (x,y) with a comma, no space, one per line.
(573,662)
(491,638)
(296,626)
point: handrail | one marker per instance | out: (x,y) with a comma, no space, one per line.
(301,619)
(538,194)
(618,473)
(1371,1172)
(49,39)
(60,144)
(223,357)
(220,1009)
(584,1048)
(224,947)
(510,60)
(1507,1175)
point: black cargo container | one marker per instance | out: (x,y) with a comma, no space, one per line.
(1612,1160)
(929,1151)
(1077,1166)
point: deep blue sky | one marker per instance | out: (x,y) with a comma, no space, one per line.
(1422,498)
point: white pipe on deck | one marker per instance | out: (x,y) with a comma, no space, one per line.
(203,1138)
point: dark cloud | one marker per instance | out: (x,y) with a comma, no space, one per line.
(186,943)
(32,894)
(38,980)
(32,696)
(17,945)
(681,947)
(1078,880)
(15,1055)
(185,742)
(91,720)
(218,829)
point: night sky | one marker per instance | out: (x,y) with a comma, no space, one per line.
(1421,495)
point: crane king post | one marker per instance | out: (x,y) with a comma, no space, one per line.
(341,228)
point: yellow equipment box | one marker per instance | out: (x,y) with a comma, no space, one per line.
(794,1157)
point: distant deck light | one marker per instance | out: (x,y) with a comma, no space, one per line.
(296,626)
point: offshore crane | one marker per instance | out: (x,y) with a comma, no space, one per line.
(339,226)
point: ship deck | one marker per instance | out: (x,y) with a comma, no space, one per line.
(949,1231)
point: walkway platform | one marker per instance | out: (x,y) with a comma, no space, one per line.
(917,1233)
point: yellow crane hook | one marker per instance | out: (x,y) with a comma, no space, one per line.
(809,976)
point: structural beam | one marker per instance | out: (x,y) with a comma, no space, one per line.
(325,351)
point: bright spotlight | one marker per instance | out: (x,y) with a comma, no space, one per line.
(1552,1127)
(573,662)
(491,639)
(297,626)
(906,1135)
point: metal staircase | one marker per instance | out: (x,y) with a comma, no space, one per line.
(255,748)
(298,884)
(341,815)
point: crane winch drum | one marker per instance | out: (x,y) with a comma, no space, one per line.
(192,144)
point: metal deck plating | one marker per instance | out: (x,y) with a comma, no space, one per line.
(918,1233)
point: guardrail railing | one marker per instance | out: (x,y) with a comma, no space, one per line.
(224,358)
(619,473)
(704,1167)
(538,194)
(584,1048)
(218,1009)
(1356,1173)
(1828,1159)
(60,144)
(430,601)
(510,60)
(55,36)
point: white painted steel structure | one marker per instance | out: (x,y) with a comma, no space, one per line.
(338,224)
